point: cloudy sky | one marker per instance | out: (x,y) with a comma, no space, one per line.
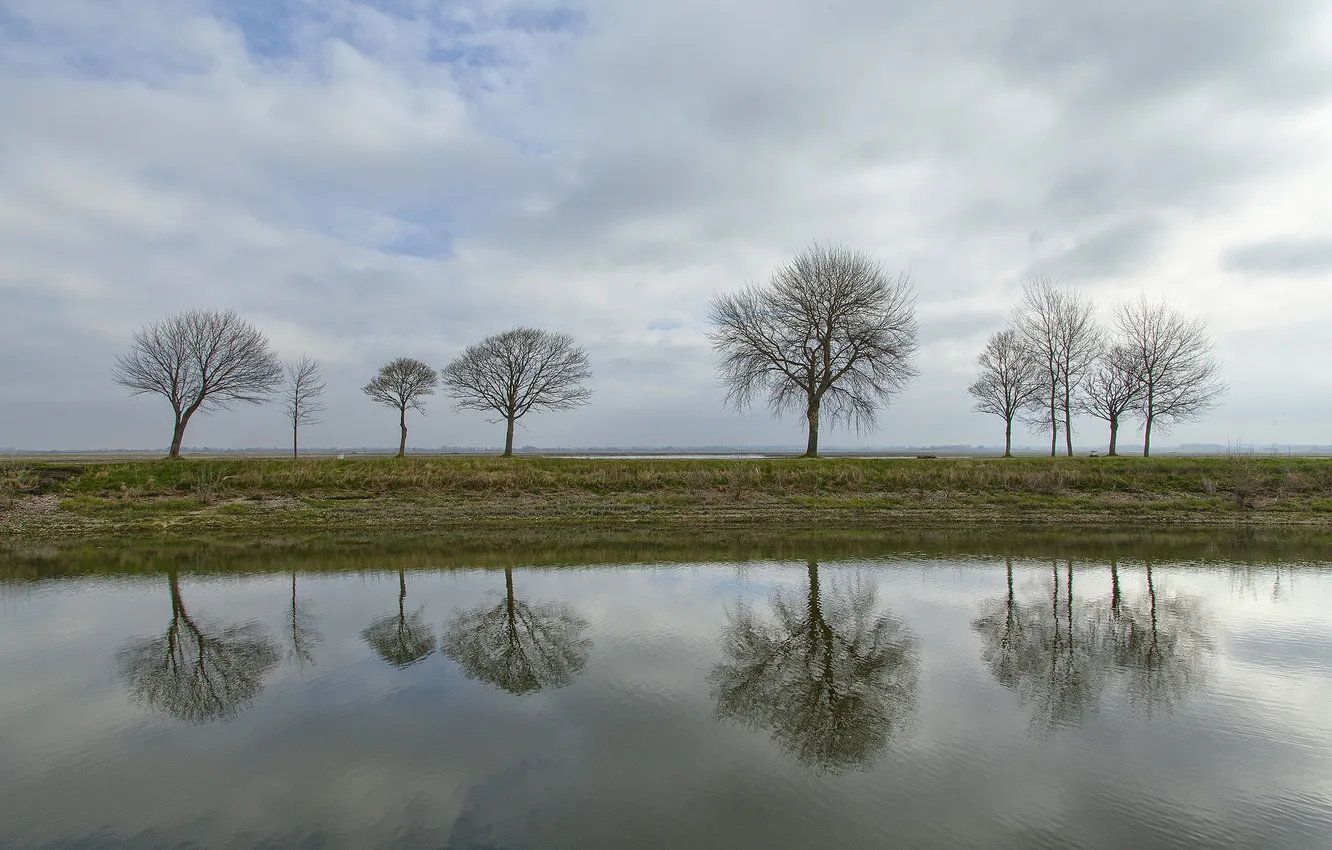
(367,180)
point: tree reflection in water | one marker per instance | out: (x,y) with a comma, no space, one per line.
(831,679)
(1044,653)
(302,634)
(1060,659)
(194,672)
(1165,649)
(518,647)
(401,639)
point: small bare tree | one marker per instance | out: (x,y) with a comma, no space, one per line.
(302,390)
(832,335)
(1175,360)
(200,361)
(1009,381)
(1058,327)
(1112,390)
(403,385)
(518,371)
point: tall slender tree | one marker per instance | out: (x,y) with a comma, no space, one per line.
(1175,360)
(200,361)
(516,372)
(832,335)
(302,390)
(403,385)
(1008,383)
(1059,328)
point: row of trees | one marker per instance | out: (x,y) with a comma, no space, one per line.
(206,360)
(831,336)
(1054,362)
(829,672)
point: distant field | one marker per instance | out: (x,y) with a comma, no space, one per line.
(231,494)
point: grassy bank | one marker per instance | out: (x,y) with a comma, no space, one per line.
(1242,549)
(543,498)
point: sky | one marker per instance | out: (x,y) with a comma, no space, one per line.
(369,180)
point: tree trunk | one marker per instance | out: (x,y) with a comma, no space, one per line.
(402,423)
(1115,598)
(1114,435)
(178,433)
(294,451)
(1070,606)
(1068,420)
(1008,438)
(812,415)
(1054,425)
(815,607)
(508,597)
(508,439)
(1147,437)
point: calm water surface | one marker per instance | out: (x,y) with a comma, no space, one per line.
(841,703)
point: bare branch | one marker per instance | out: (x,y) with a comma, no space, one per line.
(515,372)
(831,334)
(1176,363)
(200,361)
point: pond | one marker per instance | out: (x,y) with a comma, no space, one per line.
(858,701)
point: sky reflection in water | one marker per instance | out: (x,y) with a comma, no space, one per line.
(842,703)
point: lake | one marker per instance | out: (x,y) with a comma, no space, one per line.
(949,701)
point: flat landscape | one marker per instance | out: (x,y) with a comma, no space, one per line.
(502,502)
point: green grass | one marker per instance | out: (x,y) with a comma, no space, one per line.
(1269,477)
(496,496)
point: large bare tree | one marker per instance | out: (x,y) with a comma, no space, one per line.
(1059,329)
(403,385)
(1112,390)
(515,372)
(302,389)
(1175,359)
(1008,383)
(832,334)
(200,361)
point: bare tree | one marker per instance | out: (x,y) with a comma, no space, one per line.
(831,333)
(403,385)
(518,371)
(1058,327)
(1009,381)
(199,360)
(304,385)
(1112,390)
(1175,359)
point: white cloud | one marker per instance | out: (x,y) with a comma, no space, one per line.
(366,180)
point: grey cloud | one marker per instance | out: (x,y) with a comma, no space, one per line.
(1116,249)
(1113,50)
(1311,256)
(599,177)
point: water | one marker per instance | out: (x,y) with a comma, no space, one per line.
(949,701)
